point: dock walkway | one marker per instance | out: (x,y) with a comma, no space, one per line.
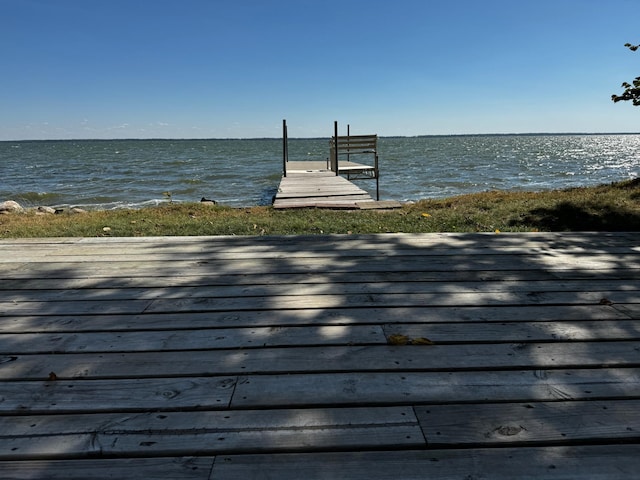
(386,356)
(312,184)
(319,184)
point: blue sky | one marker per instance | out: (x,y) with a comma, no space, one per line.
(235,69)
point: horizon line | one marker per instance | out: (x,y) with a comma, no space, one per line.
(434,135)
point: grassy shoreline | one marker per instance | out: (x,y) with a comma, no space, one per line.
(611,207)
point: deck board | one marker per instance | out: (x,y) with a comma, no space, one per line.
(312,184)
(619,462)
(530,423)
(246,357)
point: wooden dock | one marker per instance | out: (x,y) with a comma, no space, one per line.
(319,184)
(312,184)
(390,356)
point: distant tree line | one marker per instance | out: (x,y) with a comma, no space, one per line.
(631,90)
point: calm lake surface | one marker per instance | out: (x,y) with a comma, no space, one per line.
(133,173)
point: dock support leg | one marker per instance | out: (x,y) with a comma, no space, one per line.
(335,133)
(285,148)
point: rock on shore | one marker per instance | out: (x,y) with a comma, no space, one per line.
(10,207)
(45,210)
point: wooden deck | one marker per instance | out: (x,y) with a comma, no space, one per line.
(312,184)
(449,356)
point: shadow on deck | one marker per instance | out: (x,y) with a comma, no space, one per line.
(382,356)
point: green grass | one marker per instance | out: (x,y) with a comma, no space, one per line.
(614,207)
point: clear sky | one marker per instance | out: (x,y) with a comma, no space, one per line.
(72,69)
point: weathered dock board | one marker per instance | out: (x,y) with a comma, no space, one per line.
(318,188)
(385,356)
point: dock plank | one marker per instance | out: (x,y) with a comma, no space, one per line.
(411,388)
(340,317)
(188,303)
(318,189)
(126,394)
(208,433)
(219,357)
(180,468)
(185,340)
(496,332)
(321,359)
(342,263)
(531,423)
(619,462)
(226,338)
(408,286)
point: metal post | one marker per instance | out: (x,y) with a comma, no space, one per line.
(348,142)
(335,133)
(285,148)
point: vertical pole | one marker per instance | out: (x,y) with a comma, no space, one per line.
(285,148)
(377,176)
(348,143)
(335,133)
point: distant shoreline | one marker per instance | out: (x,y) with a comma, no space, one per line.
(442,135)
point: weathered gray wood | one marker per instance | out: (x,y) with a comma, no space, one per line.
(162,346)
(538,242)
(178,303)
(167,433)
(357,300)
(213,443)
(321,359)
(326,186)
(439,333)
(207,421)
(168,248)
(82,307)
(133,394)
(186,340)
(595,242)
(336,264)
(326,193)
(318,189)
(328,279)
(310,316)
(166,274)
(435,387)
(280,247)
(306,165)
(533,422)
(632,310)
(518,331)
(178,468)
(611,462)
(530,288)
(324,202)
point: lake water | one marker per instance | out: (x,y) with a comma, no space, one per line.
(134,173)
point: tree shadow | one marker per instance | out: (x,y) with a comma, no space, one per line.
(267,328)
(567,216)
(593,215)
